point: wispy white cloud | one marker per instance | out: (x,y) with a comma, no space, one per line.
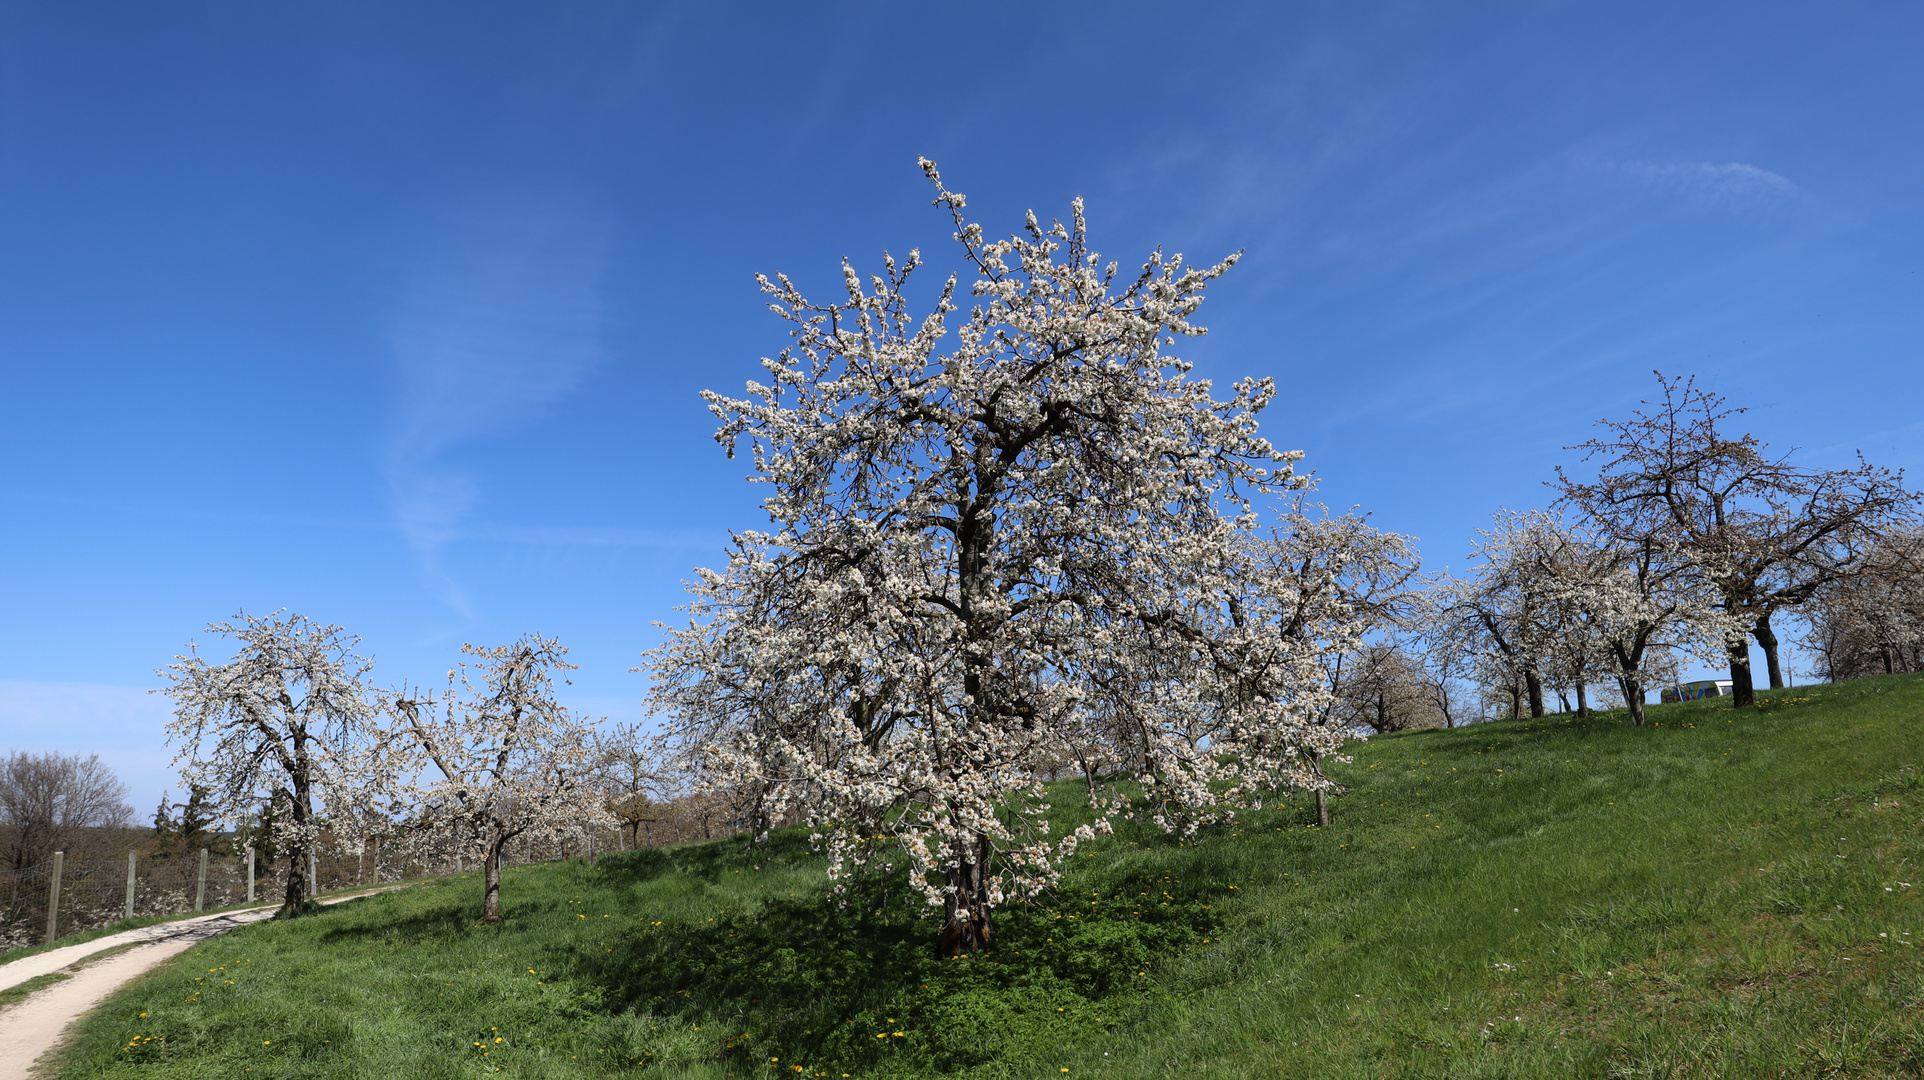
(1731,185)
(500,320)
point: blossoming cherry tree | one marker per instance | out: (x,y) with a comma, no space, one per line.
(999,535)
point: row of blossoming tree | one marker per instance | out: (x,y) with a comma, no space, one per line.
(293,721)
(1688,540)
(1012,538)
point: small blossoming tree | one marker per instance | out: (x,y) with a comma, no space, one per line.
(999,536)
(512,761)
(1335,582)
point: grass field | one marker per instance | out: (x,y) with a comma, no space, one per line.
(1719,894)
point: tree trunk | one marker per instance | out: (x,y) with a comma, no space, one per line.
(297,884)
(1767,638)
(1322,802)
(1632,697)
(491,889)
(966,905)
(1535,686)
(1742,693)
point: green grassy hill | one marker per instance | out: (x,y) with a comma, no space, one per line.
(1719,894)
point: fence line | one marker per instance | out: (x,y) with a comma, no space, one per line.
(92,893)
(98,892)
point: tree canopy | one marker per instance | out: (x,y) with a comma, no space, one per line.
(997,535)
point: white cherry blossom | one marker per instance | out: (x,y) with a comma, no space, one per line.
(1002,532)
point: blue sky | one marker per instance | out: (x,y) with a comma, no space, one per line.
(396,314)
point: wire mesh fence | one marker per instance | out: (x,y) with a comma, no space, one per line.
(92,893)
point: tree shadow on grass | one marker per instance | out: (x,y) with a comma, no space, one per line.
(852,981)
(444,921)
(855,981)
(708,860)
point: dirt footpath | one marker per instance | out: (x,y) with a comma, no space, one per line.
(34,1026)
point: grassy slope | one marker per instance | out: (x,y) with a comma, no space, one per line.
(1718,895)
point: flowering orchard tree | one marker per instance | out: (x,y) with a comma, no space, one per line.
(1768,533)
(1502,612)
(1638,603)
(1333,581)
(1547,590)
(633,776)
(999,535)
(512,760)
(292,714)
(1871,621)
(1346,578)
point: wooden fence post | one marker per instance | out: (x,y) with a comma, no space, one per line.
(130,883)
(250,873)
(53,897)
(200,891)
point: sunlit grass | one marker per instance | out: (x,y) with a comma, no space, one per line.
(1719,894)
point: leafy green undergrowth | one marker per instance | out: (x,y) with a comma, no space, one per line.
(1719,894)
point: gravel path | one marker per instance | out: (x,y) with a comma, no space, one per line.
(34,1026)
